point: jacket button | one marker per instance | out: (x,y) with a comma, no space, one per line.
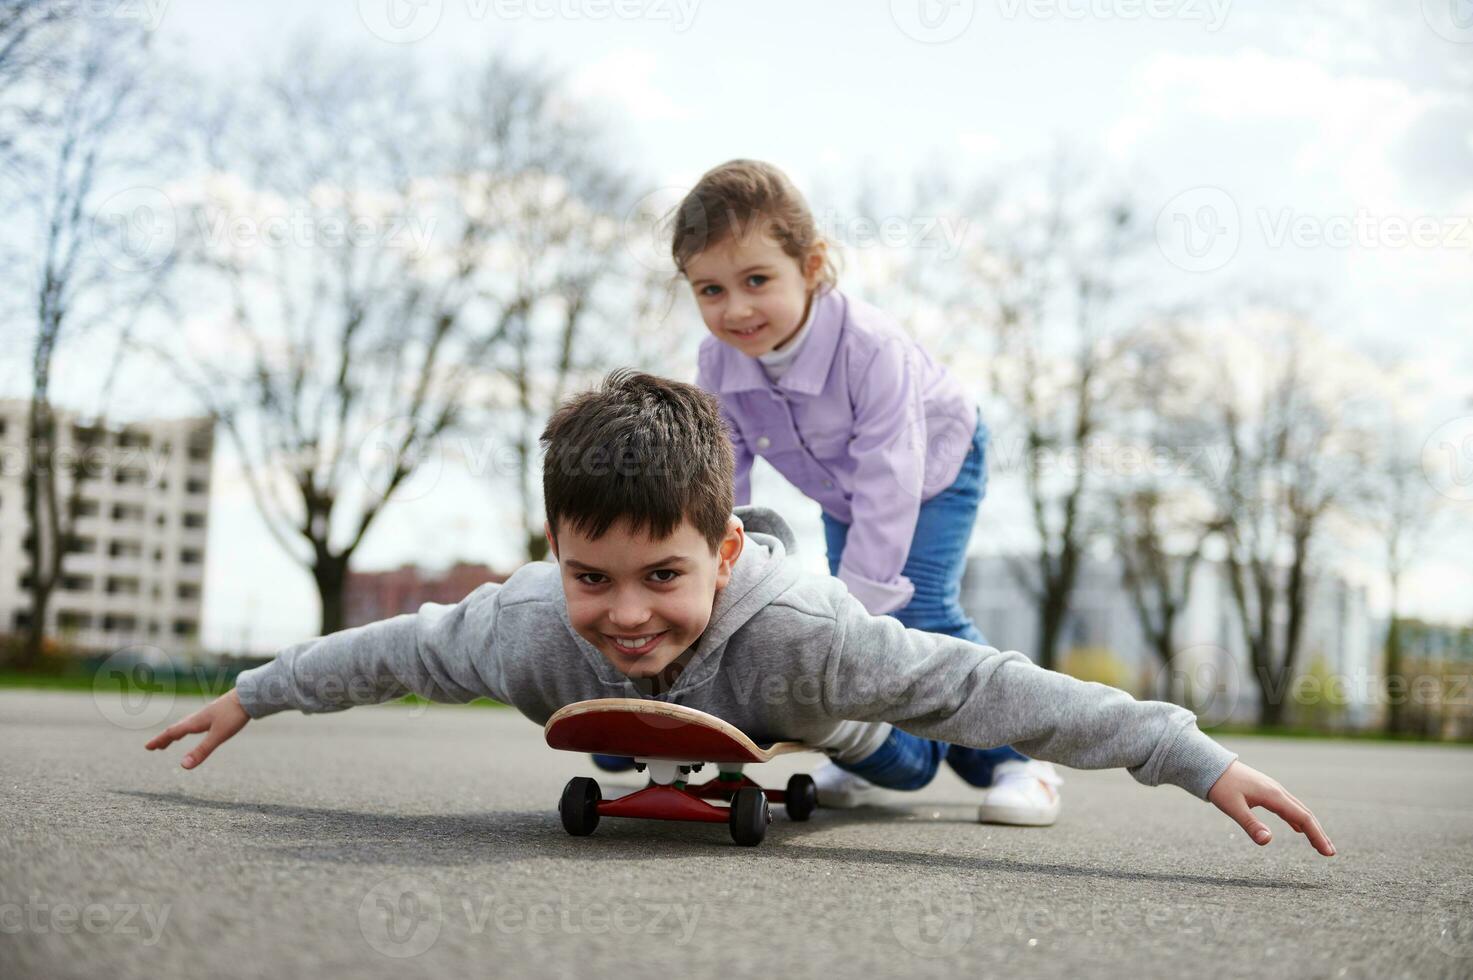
(763,442)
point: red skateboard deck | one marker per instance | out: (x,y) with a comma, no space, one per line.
(655,730)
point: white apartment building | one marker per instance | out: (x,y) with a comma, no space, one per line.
(1340,639)
(135,575)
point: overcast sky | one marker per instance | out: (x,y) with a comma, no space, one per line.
(1301,144)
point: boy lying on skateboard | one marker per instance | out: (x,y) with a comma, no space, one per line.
(661,591)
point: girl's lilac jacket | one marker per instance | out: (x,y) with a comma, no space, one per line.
(863,421)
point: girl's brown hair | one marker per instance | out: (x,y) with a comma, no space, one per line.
(740,196)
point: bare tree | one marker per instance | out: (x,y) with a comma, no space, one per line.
(1162,520)
(341,360)
(85,274)
(32,36)
(1056,345)
(1403,510)
(1294,456)
(564,253)
(1028,279)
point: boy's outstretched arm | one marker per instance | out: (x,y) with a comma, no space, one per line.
(1241,788)
(949,689)
(442,653)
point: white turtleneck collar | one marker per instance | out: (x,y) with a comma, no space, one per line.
(775,363)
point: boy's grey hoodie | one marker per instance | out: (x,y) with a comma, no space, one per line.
(787,655)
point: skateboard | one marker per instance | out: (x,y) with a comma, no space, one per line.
(671,742)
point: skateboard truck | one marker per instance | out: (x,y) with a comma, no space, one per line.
(670,742)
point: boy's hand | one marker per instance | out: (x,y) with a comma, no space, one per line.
(220,719)
(1240,788)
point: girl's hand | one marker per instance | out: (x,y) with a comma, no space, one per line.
(1240,788)
(220,719)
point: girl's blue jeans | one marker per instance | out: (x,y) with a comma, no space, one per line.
(937,558)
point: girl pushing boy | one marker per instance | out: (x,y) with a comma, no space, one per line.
(857,416)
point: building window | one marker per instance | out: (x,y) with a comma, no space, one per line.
(184,627)
(130,476)
(133,439)
(193,485)
(125,549)
(122,586)
(199,452)
(194,520)
(23,620)
(84,508)
(191,556)
(127,512)
(88,436)
(71,619)
(120,624)
(81,546)
(188,590)
(76,583)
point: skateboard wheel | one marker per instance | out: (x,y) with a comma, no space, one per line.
(579,806)
(801,797)
(749,816)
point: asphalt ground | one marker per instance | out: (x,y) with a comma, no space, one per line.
(398,841)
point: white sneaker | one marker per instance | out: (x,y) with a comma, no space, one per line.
(843,790)
(1022,794)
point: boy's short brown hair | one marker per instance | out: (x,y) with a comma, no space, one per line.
(639,448)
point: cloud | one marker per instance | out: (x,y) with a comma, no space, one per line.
(1283,110)
(626,76)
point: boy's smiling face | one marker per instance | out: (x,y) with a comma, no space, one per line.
(753,295)
(643,601)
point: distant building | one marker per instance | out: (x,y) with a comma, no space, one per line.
(371,596)
(135,573)
(1340,643)
(1437,665)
